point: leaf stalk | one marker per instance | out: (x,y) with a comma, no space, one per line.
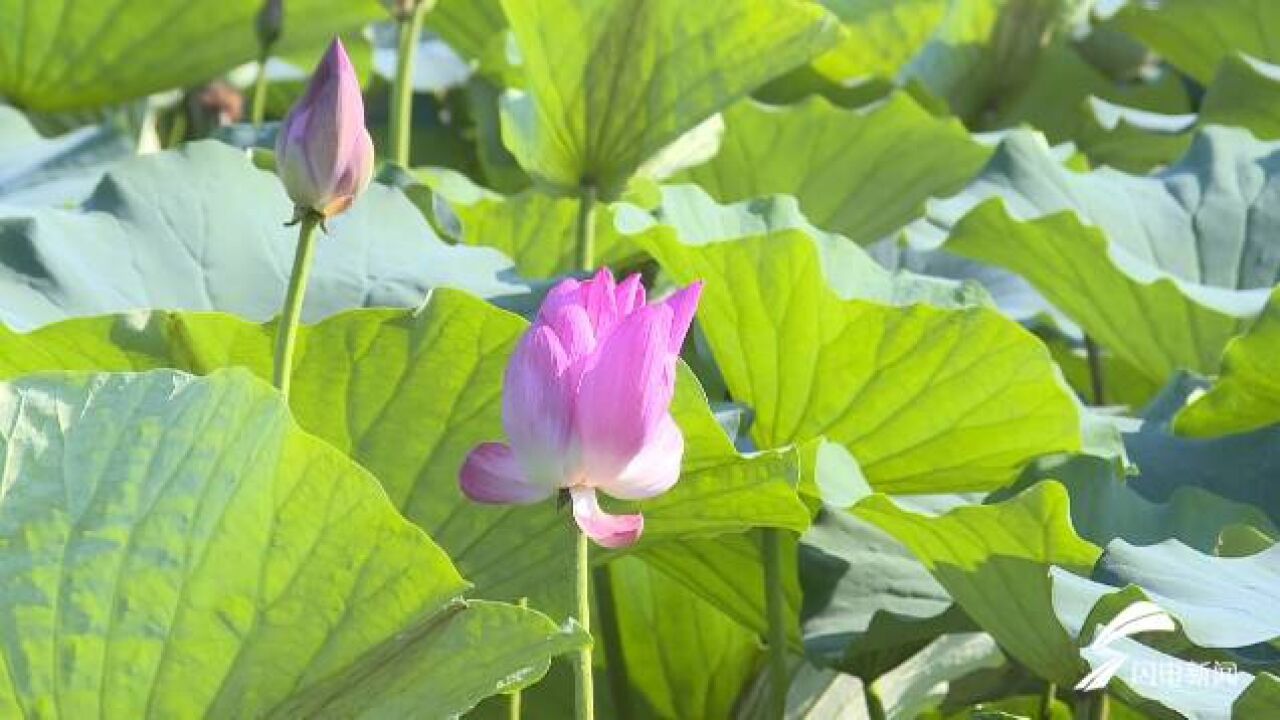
(410,29)
(776,612)
(586,229)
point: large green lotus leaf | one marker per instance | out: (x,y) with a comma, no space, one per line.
(501,171)
(684,658)
(201,229)
(176,547)
(1169,462)
(728,572)
(1053,98)
(1247,395)
(880,36)
(993,560)
(868,603)
(56,171)
(1240,540)
(921,683)
(1106,506)
(1195,36)
(536,230)
(1162,270)
(861,173)
(612,82)
(408,394)
(1244,93)
(813,692)
(471,27)
(1216,599)
(1261,699)
(62,55)
(1135,141)
(984,51)
(820,341)
(1122,384)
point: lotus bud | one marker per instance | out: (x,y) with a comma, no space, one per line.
(587,405)
(270,23)
(324,153)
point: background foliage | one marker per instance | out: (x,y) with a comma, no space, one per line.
(990,339)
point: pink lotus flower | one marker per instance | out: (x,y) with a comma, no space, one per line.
(324,153)
(587,405)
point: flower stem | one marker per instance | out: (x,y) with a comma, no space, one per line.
(610,636)
(1094,356)
(586,693)
(871,696)
(178,129)
(1100,706)
(260,91)
(586,228)
(776,612)
(410,27)
(287,332)
(516,697)
(1046,701)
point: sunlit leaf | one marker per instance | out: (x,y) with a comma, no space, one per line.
(177,547)
(60,55)
(610,83)
(408,394)
(929,392)
(1196,36)
(861,173)
(1161,270)
(201,229)
(1247,395)
(993,560)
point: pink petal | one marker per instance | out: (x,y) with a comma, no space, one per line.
(630,295)
(565,292)
(491,474)
(626,393)
(597,297)
(653,470)
(573,329)
(611,531)
(683,304)
(537,408)
(600,300)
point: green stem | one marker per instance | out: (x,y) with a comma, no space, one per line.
(287,332)
(178,128)
(585,692)
(514,709)
(1091,705)
(586,229)
(517,697)
(260,90)
(776,612)
(1100,706)
(1094,356)
(610,636)
(1046,701)
(871,696)
(410,28)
